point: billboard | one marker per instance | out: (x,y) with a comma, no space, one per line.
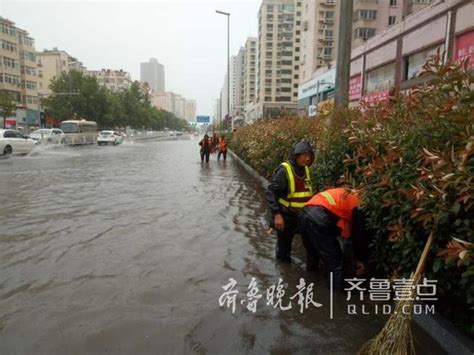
(203,119)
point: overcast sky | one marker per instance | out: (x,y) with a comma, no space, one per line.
(188,37)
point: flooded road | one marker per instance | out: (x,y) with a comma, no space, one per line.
(125,250)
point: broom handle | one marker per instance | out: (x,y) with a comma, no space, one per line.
(421,263)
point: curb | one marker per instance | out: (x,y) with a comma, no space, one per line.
(444,334)
(264,182)
(440,330)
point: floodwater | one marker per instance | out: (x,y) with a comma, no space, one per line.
(126,249)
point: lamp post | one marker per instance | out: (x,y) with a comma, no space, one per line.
(228,59)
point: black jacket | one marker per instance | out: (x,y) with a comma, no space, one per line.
(326,223)
(278,188)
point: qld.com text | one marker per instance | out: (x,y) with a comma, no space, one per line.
(387,309)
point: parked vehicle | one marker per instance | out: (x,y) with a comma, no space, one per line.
(79,132)
(109,137)
(48,135)
(13,142)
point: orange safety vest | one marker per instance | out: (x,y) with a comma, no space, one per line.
(340,202)
(222,145)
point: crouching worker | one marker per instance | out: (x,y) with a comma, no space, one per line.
(334,225)
(289,190)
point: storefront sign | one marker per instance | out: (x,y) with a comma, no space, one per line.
(465,48)
(376,97)
(355,87)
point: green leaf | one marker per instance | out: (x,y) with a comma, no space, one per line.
(437,265)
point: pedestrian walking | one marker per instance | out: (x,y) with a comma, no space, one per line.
(333,224)
(222,148)
(289,189)
(205,144)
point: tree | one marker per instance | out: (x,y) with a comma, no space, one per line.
(77,94)
(7,106)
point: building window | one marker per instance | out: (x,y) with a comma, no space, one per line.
(270,8)
(328,35)
(8,30)
(327,52)
(364,33)
(381,78)
(415,62)
(8,46)
(10,63)
(393,2)
(366,14)
(392,20)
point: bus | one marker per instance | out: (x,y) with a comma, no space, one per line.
(79,132)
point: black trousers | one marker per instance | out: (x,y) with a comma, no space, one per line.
(319,228)
(222,153)
(285,240)
(205,154)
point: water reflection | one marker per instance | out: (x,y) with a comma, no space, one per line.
(125,249)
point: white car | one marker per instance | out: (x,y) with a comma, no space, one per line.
(109,137)
(13,142)
(48,135)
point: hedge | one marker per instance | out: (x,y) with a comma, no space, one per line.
(412,159)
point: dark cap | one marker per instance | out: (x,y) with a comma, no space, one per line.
(303,147)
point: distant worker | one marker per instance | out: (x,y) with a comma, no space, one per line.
(289,190)
(335,227)
(222,148)
(205,144)
(214,143)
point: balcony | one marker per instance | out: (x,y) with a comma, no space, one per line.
(328,2)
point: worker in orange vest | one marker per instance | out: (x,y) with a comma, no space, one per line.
(222,148)
(334,225)
(205,149)
(289,189)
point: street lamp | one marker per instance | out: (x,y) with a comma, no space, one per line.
(228,59)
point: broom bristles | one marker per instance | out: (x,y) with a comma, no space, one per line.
(395,337)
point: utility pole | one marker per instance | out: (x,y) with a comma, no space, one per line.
(228,60)
(343,65)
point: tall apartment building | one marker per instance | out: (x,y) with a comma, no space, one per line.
(224,95)
(18,72)
(217,110)
(190,114)
(236,83)
(238,100)
(279,31)
(250,69)
(320,27)
(175,103)
(51,64)
(114,80)
(153,73)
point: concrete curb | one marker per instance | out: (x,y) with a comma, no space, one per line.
(440,330)
(445,334)
(264,182)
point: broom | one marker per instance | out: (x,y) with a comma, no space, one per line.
(395,337)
